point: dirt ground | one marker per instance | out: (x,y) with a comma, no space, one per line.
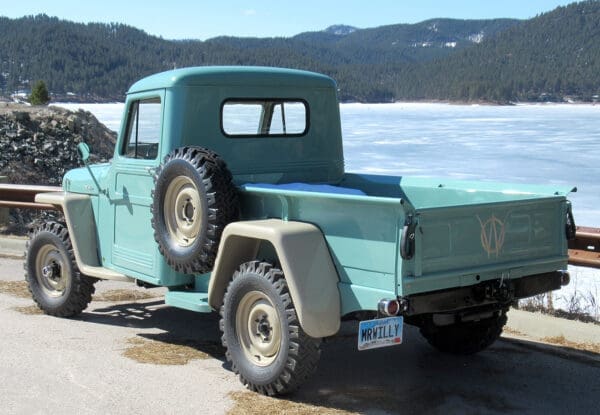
(129,353)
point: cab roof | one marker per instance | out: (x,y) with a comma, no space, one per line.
(232,75)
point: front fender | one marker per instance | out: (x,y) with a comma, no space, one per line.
(305,261)
(79,216)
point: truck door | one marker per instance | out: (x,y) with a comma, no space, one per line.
(131,184)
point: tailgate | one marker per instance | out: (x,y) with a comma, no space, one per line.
(465,235)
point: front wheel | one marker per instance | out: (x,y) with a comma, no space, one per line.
(265,343)
(54,280)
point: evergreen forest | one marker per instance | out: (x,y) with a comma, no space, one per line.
(552,57)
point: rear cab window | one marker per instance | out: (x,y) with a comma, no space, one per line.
(248,118)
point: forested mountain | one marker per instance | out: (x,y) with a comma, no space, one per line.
(552,55)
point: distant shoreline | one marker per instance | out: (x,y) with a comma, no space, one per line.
(96,100)
(458,103)
(480,104)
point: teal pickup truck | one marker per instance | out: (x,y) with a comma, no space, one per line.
(227,186)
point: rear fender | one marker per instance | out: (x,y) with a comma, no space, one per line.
(305,261)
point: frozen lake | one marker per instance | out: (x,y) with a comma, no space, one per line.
(543,144)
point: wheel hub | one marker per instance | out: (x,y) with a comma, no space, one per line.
(264,328)
(51,271)
(188,211)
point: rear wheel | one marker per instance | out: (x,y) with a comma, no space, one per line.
(55,282)
(466,337)
(265,343)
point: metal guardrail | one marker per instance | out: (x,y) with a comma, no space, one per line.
(23,196)
(584,250)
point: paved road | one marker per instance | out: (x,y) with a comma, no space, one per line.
(53,366)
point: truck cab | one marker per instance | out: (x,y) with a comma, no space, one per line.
(260,120)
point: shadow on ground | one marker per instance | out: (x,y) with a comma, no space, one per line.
(180,327)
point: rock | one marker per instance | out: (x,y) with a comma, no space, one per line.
(22,116)
(38,145)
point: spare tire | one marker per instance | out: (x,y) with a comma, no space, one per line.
(192,202)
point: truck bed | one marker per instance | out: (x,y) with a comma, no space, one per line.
(466,233)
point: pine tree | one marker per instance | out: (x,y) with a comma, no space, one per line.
(39,94)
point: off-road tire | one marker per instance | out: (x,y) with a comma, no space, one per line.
(192,202)
(465,338)
(56,284)
(258,294)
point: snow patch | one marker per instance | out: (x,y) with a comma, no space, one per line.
(422,45)
(477,37)
(340,30)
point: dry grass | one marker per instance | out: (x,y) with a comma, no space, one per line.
(344,401)
(29,310)
(247,403)
(514,332)
(123,295)
(162,349)
(15,288)
(561,341)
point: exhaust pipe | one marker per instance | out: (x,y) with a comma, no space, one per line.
(392,308)
(388,307)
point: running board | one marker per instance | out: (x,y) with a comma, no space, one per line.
(189,300)
(104,273)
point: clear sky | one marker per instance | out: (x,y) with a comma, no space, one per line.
(201,19)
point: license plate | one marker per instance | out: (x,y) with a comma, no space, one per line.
(381,332)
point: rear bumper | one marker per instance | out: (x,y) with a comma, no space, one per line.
(485,293)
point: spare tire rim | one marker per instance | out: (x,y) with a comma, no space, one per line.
(258,328)
(183,211)
(51,272)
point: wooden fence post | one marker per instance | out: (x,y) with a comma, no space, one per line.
(3,211)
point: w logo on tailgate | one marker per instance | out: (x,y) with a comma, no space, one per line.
(492,235)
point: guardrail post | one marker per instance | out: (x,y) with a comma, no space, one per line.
(3,211)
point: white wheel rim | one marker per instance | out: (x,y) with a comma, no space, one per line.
(50,270)
(258,328)
(183,210)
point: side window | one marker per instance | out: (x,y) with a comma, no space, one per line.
(143,129)
(264,118)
